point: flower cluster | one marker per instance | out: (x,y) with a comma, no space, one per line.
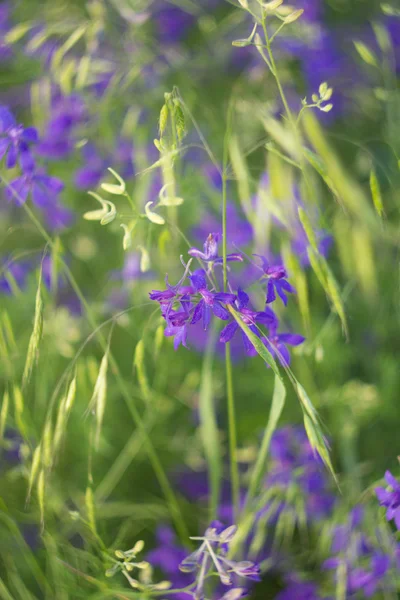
(16,146)
(185,305)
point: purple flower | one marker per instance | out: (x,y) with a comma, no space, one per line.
(239,231)
(15,140)
(250,318)
(277,345)
(390,498)
(210,253)
(276,281)
(42,187)
(66,114)
(13,272)
(90,175)
(210,301)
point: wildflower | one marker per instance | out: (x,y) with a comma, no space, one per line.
(276,281)
(15,140)
(66,114)
(277,345)
(210,253)
(43,188)
(13,273)
(89,176)
(209,300)
(390,498)
(250,318)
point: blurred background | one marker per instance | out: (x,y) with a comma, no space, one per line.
(91,78)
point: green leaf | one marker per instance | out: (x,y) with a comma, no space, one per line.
(278,402)
(138,362)
(376,192)
(208,425)
(33,348)
(366,54)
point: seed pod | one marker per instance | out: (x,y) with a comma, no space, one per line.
(179,120)
(163,119)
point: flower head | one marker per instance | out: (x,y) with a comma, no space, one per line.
(15,140)
(210,252)
(390,498)
(276,281)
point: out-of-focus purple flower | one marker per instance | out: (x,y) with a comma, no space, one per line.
(297,589)
(250,318)
(15,140)
(390,498)
(6,51)
(294,464)
(172,23)
(57,216)
(90,175)
(167,556)
(42,187)
(239,231)
(366,564)
(210,253)
(67,113)
(277,345)
(15,271)
(123,155)
(276,281)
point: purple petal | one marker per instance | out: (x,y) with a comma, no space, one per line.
(211,246)
(26,160)
(206,316)
(243,298)
(7,120)
(270,292)
(197,313)
(4,143)
(18,190)
(11,158)
(220,312)
(30,135)
(291,338)
(197,254)
(392,481)
(199,280)
(224,297)
(283,354)
(228,332)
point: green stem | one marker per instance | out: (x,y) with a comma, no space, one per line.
(228,360)
(155,462)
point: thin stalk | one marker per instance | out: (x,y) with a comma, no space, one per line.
(153,457)
(234,471)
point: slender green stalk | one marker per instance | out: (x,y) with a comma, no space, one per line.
(234,471)
(153,457)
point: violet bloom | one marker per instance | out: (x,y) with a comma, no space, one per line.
(295,465)
(15,140)
(177,322)
(210,301)
(277,345)
(250,318)
(66,114)
(239,230)
(167,556)
(90,175)
(13,272)
(210,253)
(390,498)
(42,187)
(276,281)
